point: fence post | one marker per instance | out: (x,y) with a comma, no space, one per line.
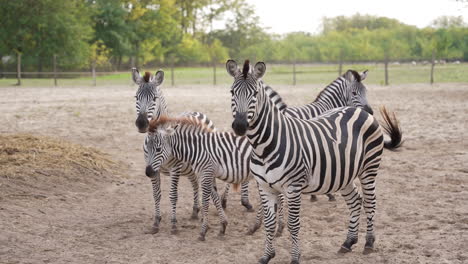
(18,68)
(214,73)
(294,72)
(432,66)
(93,72)
(55,69)
(386,69)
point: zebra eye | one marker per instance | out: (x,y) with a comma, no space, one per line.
(255,93)
(158,149)
(354,93)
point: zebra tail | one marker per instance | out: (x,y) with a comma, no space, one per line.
(391,126)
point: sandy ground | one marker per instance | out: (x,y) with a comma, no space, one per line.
(422,210)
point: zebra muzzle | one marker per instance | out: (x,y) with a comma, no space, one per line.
(240,124)
(142,123)
(150,172)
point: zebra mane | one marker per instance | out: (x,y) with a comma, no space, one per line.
(246,69)
(276,98)
(147,76)
(328,86)
(184,120)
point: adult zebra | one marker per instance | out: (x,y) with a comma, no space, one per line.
(211,154)
(346,90)
(151,104)
(323,155)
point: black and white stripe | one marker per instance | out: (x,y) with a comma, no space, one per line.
(293,156)
(210,154)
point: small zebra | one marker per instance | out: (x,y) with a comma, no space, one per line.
(211,154)
(346,90)
(322,155)
(151,104)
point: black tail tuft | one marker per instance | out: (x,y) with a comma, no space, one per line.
(391,126)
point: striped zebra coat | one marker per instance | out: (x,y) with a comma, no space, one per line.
(151,104)
(211,154)
(346,90)
(293,156)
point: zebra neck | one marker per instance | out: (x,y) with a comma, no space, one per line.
(332,96)
(264,127)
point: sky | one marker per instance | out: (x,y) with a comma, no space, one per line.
(305,15)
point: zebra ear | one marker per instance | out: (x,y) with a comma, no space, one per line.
(231,67)
(364,75)
(158,78)
(350,75)
(137,79)
(259,70)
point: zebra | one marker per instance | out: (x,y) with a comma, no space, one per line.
(211,154)
(151,104)
(322,155)
(346,90)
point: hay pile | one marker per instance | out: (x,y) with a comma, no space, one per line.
(41,164)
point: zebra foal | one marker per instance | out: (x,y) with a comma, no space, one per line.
(323,155)
(210,154)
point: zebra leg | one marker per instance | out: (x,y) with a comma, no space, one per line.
(222,216)
(225,195)
(331,197)
(207,189)
(245,197)
(194,181)
(258,221)
(354,202)
(269,204)
(280,216)
(156,184)
(173,198)
(294,208)
(368,190)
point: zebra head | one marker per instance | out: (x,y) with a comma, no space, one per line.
(244,93)
(157,150)
(147,97)
(357,92)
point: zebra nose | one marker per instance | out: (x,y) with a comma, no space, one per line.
(240,124)
(142,123)
(149,171)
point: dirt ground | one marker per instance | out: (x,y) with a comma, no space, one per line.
(422,209)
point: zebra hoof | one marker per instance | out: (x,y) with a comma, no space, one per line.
(223,228)
(266,259)
(201,238)
(313,198)
(153,230)
(294,261)
(344,250)
(253,230)
(174,231)
(368,251)
(331,198)
(194,215)
(224,203)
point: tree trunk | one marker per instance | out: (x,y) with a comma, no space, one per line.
(294,72)
(39,66)
(18,68)
(137,64)
(386,69)
(2,68)
(432,66)
(172,70)
(119,62)
(93,71)
(55,69)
